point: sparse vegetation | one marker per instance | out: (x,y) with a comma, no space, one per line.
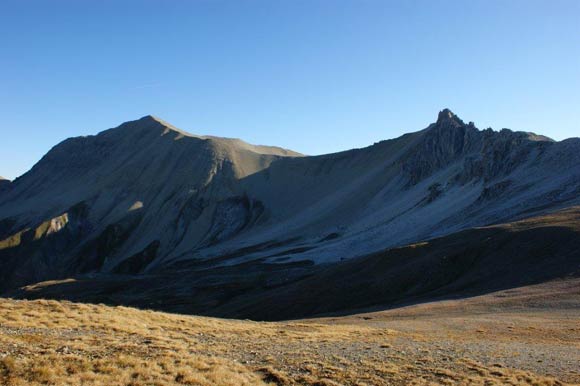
(46,342)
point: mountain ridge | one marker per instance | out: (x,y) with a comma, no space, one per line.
(146,197)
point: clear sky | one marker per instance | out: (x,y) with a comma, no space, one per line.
(315,76)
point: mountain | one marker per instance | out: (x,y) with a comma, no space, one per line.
(472,262)
(147,201)
(464,264)
(4,184)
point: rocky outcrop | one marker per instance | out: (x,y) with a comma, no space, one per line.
(442,143)
(500,154)
(231,216)
(482,155)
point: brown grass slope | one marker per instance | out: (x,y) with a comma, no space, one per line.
(61,343)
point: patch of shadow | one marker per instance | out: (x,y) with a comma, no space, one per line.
(139,261)
(188,213)
(210,293)
(272,376)
(330,236)
(494,191)
(94,253)
(435,191)
(184,264)
(7,227)
(37,253)
(291,251)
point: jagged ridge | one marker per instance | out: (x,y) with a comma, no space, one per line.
(155,197)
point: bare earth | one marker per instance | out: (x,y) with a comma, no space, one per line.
(524,336)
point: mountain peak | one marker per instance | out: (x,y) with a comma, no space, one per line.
(153,122)
(151,119)
(447,117)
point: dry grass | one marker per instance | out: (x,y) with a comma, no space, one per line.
(62,343)
(12,241)
(48,342)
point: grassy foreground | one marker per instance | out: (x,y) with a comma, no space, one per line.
(61,343)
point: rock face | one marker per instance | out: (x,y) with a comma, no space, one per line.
(146,197)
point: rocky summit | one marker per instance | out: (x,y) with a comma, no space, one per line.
(149,215)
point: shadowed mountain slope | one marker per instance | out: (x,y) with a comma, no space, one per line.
(471,262)
(468,263)
(93,201)
(145,201)
(4,184)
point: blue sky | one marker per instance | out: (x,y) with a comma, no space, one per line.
(315,76)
